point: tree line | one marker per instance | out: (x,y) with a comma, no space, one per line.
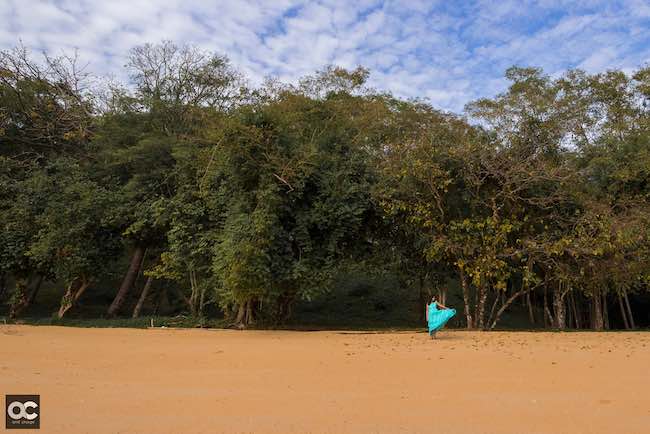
(251,198)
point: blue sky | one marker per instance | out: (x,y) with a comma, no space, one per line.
(449,52)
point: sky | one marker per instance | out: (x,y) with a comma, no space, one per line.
(448,51)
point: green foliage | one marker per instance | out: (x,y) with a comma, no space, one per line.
(295,196)
(252,201)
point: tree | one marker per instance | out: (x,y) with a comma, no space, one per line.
(78,239)
(144,132)
(296,199)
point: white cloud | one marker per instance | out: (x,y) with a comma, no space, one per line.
(449,52)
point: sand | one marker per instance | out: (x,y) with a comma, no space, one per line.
(182,381)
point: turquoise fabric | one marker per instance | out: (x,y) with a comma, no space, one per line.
(438,317)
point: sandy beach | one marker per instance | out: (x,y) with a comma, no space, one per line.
(173,381)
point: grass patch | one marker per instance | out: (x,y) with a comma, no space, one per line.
(142,322)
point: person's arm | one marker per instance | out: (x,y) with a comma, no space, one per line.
(442,306)
(426,311)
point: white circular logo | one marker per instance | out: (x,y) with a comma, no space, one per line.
(22,412)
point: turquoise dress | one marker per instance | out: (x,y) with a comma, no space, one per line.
(438,317)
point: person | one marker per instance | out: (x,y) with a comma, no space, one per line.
(437,316)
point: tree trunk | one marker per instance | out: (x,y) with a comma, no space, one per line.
(127,282)
(548,318)
(193,292)
(24,296)
(249,313)
(623,312)
(531,314)
(71,296)
(239,318)
(559,308)
(629,310)
(477,300)
(244,316)
(143,297)
(508,302)
(481,308)
(466,298)
(605,313)
(19,298)
(576,317)
(525,289)
(597,322)
(66,300)
(197,296)
(202,300)
(494,306)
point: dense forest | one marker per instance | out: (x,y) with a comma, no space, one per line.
(243,202)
